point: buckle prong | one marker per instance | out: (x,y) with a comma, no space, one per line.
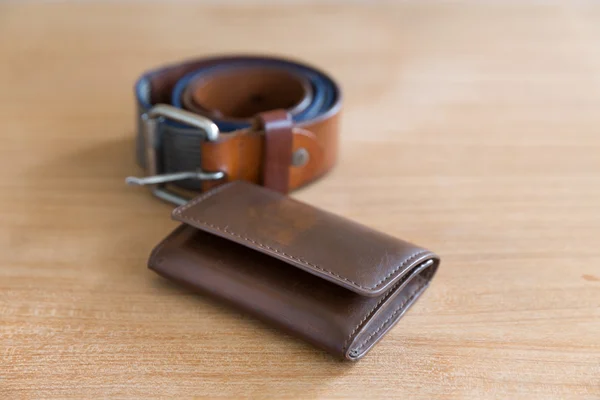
(177,176)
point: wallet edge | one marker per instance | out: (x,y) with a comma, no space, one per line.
(356,346)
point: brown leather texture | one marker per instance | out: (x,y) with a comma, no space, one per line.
(239,95)
(328,280)
(278,139)
(242,94)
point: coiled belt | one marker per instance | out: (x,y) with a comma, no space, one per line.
(205,122)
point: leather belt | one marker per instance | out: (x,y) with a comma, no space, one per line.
(205,122)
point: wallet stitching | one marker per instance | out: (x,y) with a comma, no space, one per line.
(179,211)
(198,199)
(370,313)
(399,308)
(300,260)
(388,276)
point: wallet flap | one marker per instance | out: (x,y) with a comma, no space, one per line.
(351,255)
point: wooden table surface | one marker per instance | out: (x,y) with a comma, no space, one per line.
(471,129)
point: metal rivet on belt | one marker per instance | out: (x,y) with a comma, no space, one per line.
(300,157)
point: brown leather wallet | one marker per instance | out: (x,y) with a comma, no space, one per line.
(335,283)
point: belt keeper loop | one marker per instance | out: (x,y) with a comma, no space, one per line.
(278,130)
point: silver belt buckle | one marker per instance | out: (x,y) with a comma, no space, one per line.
(154,179)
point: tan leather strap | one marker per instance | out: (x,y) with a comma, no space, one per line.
(278,121)
(277,126)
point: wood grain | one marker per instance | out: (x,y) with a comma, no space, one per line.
(472,129)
